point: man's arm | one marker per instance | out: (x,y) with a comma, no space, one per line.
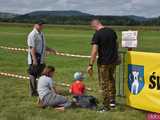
(70,89)
(31,44)
(33,53)
(54,89)
(93,54)
(92,59)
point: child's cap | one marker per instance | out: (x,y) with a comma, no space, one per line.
(78,76)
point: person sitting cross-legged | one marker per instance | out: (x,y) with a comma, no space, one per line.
(47,92)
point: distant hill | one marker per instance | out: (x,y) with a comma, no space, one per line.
(73,17)
(73,14)
(138,18)
(55,17)
(56,13)
(7,15)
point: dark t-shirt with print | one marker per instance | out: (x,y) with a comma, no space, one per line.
(106,40)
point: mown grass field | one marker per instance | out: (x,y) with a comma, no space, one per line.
(15,103)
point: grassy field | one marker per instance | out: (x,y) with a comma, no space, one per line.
(15,103)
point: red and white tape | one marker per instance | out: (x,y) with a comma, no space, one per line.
(25,50)
(58,53)
(27,78)
(13,75)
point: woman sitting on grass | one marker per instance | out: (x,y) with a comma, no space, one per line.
(47,92)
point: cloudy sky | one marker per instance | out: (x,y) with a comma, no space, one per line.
(147,8)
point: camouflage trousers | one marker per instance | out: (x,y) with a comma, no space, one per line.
(107,83)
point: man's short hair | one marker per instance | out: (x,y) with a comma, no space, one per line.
(96,21)
(47,70)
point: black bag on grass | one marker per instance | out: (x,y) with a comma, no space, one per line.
(86,101)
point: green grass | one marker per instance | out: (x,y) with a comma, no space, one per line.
(15,103)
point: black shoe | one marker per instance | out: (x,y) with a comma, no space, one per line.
(103,109)
(34,94)
(112,104)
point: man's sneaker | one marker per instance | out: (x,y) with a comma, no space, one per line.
(112,105)
(103,109)
(34,94)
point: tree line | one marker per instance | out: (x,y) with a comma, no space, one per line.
(83,20)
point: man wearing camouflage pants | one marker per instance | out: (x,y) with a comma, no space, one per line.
(104,43)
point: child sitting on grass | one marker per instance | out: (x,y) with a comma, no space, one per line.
(77,89)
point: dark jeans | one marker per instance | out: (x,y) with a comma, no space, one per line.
(34,73)
(107,83)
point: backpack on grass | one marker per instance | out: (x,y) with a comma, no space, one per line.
(86,101)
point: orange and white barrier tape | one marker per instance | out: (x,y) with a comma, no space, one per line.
(14,49)
(24,77)
(13,75)
(25,50)
(58,53)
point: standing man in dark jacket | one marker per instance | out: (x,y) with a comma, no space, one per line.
(104,43)
(36,54)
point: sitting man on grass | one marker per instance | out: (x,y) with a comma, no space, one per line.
(47,92)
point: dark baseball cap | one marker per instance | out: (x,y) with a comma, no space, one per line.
(40,22)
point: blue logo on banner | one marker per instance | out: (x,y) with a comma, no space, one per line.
(135,78)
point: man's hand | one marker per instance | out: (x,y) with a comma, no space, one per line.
(35,62)
(33,53)
(90,71)
(92,59)
(51,50)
